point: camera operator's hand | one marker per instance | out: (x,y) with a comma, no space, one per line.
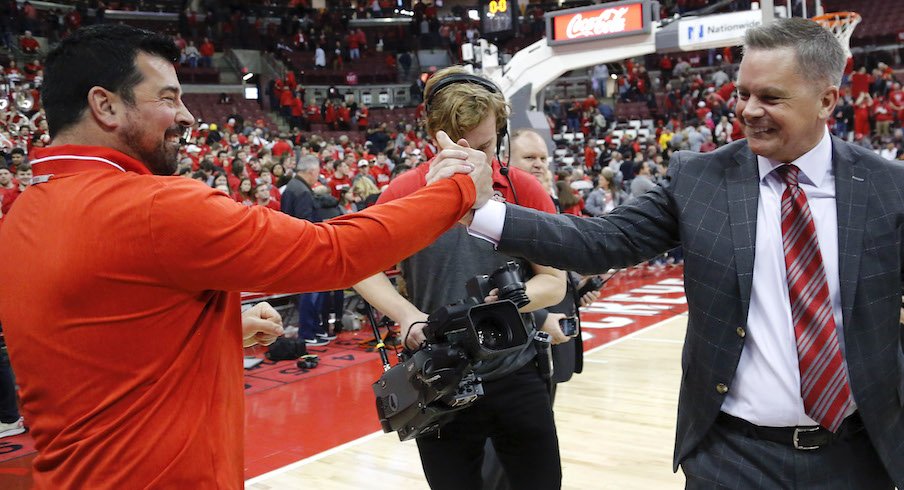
(413,330)
(492,296)
(261,324)
(551,326)
(588,297)
(461,158)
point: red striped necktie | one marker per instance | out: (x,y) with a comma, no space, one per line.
(823,378)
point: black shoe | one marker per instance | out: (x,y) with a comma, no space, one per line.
(316,342)
(325,336)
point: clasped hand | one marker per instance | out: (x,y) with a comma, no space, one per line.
(460,158)
(261,324)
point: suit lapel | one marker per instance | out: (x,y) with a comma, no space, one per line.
(742,184)
(851,193)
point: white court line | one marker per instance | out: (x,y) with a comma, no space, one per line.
(631,335)
(362,440)
(662,341)
(316,457)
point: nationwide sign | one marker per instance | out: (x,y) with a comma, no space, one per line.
(598,22)
(716,30)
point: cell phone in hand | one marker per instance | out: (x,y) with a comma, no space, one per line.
(569,326)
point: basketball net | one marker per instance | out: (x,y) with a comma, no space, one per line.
(842,25)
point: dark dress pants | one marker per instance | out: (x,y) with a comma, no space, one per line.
(730,459)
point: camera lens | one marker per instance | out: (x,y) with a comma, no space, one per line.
(492,334)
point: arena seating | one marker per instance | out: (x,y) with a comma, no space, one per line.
(206,107)
(882,19)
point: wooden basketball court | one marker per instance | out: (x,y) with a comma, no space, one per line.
(616,424)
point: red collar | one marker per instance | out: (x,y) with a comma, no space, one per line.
(77,158)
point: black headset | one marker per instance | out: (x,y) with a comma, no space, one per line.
(493,89)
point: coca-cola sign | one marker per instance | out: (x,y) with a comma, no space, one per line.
(598,22)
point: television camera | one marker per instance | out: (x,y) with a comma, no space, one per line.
(423,391)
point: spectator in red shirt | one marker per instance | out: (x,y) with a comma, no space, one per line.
(236,174)
(702,110)
(29,44)
(330,117)
(380,170)
(267,177)
(666,65)
(860,82)
(362,115)
(861,114)
(589,155)
(245,193)
(351,40)
(207,51)
(297,119)
(8,188)
(20,183)
(262,197)
(285,102)
(179,41)
(345,117)
(896,101)
(17,157)
(280,146)
(340,179)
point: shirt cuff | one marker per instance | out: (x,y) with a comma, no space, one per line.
(488,222)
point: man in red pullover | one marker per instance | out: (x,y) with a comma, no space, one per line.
(120,301)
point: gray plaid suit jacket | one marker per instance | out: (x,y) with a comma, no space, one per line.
(710,208)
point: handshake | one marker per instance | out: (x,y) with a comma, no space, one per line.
(460,158)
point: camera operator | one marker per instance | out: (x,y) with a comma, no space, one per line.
(515,411)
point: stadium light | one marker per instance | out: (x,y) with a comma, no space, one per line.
(247,76)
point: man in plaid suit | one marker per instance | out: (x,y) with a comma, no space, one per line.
(793,369)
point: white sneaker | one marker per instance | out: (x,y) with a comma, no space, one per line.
(12,428)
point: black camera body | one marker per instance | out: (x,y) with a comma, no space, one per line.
(506,279)
(418,395)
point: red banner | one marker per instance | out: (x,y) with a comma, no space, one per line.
(599,23)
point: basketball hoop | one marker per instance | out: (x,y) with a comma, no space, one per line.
(842,25)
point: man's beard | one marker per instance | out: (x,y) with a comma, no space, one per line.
(160,158)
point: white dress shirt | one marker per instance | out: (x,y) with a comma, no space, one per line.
(766,387)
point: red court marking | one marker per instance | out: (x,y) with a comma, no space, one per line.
(287,420)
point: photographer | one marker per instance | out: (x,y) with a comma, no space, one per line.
(515,411)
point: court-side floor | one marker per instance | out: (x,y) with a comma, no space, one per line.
(616,424)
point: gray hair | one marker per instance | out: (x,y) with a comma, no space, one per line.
(820,57)
(308,163)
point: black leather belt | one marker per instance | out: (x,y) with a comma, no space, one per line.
(803,438)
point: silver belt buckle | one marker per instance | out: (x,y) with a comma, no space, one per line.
(796,438)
